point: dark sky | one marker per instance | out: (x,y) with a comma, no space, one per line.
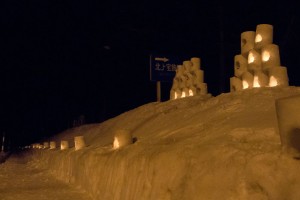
(62,59)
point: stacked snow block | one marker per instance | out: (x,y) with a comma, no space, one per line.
(189,80)
(258,65)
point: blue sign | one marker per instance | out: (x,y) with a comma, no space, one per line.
(163,67)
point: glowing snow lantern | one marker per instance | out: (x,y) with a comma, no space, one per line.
(288,117)
(235,84)
(240,65)
(247,42)
(52,145)
(79,142)
(260,79)
(264,35)
(278,76)
(46,145)
(247,80)
(254,61)
(64,144)
(122,138)
(270,56)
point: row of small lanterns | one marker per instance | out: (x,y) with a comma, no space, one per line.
(64,144)
(121,138)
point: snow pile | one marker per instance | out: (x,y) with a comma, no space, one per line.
(224,147)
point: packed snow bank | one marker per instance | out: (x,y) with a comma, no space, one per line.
(224,147)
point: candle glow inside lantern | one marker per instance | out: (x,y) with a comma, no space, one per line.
(46,145)
(247,42)
(264,35)
(278,76)
(254,61)
(64,144)
(122,138)
(270,56)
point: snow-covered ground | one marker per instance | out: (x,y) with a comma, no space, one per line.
(224,147)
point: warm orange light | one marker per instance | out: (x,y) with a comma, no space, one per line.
(258,38)
(266,56)
(255,82)
(175,95)
(191,93)
(273,81)
(245,84)
(251,58)
(116,143)
(183,95)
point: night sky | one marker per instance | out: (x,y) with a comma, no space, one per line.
(63,59)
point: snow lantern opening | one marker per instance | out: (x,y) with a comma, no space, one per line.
(183,95)
(265,56)
(273,81)
(191,93)
(251,58)
(256,82)
(122,138)
(258,38)
(245,84)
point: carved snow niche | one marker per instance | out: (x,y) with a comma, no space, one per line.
(247,42)
(240,65)
(254,61)
(270,57)
(52,145)
(79,142)
(64,144)
(122,138)
(288,116)
(264,35)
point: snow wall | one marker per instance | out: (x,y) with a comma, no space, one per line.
(224,147)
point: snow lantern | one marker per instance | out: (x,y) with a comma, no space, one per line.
(64,144)
(46,145)
(240,65)
(52,145)
(187,65)
(254,61)
(196,63)
(270,56)
(264,35)
(288,116)
(201,88)
(122,138)
(278,76)
(235,84)
(79,142)
(260,79)
(247,42)
(247,80)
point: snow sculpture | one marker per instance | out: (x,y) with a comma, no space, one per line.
(122,138)
(288,116)
(46,145)
(189,80)
(79,142)
(258,65)
(64,144)
(52,145)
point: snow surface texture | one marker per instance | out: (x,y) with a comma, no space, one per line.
(20,180)
(224,147)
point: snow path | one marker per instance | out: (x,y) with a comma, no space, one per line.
(20,180)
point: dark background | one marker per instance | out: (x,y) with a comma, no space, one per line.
(63,59)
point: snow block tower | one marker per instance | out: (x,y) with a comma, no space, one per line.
(189,80)
(258,65)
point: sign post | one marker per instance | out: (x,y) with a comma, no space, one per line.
(163,69)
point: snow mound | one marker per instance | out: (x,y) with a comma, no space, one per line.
(224,147)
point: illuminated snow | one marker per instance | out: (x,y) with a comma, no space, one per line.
(256,82)
(273,81)
(266,56)
(258,38)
